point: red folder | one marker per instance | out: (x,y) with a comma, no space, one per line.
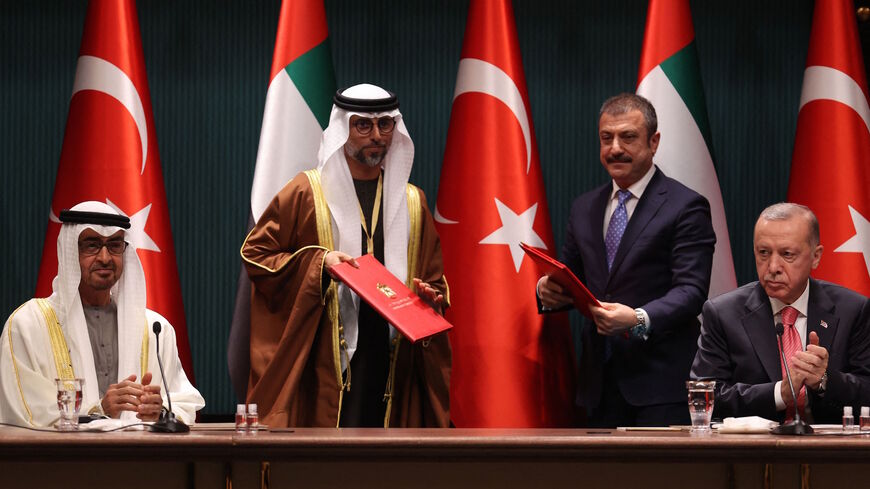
(405,310)
(562,275)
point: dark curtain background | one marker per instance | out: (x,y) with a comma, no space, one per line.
(208,63)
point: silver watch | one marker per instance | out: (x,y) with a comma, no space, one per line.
(640,329)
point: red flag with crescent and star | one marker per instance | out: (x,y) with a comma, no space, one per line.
(110,155)
(830,168)
(511,366)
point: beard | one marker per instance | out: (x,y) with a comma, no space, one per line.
(370,161)
(373,160)
(95,279)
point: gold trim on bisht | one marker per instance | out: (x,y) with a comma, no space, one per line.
(9,324)
(324,237)
(282,265)
(143,357)
(415,215)
(415,236)
(62,362)
(388,394)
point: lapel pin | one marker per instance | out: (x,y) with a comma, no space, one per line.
(823,324)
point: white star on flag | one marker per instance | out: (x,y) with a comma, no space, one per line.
(138,237)
(515,228)
(860,242)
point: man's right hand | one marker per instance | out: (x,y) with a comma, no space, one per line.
(552,294)
(333,258)
(123,396)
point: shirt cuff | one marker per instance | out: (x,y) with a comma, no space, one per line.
(538,293)
(777,396)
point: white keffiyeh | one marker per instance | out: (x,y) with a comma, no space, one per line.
(343,204)
(128,294)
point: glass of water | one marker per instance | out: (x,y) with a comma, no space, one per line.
(69,402)
(701,404)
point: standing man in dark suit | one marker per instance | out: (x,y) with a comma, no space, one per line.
(828,325)
(643,244)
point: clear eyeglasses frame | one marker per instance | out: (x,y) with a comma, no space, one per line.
(90,247)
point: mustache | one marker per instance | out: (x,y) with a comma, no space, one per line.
(623,158)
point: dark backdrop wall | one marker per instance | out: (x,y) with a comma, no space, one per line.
(208,63)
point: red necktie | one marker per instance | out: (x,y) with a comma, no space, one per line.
(791,344)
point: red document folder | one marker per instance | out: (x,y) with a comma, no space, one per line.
(405,310)
(562,275)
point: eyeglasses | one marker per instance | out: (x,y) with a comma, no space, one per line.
(364,126)
(89,247)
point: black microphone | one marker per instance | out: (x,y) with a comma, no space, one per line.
(167,422)
(798,426)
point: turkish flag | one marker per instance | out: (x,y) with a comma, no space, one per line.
(110,155)
(830,169)
(511,366)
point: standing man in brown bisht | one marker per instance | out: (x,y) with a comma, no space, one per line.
(319,355)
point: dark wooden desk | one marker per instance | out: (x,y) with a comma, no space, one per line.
(431,458)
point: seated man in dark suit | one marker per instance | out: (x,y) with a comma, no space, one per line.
(826,332)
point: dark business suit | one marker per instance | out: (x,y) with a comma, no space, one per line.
(663,266)
(738,348)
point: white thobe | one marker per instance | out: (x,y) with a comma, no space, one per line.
(28,393)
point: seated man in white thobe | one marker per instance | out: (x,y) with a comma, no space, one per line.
(94,326)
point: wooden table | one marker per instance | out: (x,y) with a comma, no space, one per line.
(359,458)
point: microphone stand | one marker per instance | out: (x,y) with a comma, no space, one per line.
(797,426)
(167,423)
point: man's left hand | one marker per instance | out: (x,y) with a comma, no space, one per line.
(429,294)
(150,402)
(613,319)
(812,363)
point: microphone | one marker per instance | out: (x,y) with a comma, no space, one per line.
(797,426)
(167,422)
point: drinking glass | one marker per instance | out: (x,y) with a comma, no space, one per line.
(69,402)
(701,404)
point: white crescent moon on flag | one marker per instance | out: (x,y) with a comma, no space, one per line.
(97,74)
(476,75)
(439,218)
(824,83)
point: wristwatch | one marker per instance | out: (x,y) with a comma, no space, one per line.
(640,329)
(823,383)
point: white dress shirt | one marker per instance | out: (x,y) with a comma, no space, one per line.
(637,189)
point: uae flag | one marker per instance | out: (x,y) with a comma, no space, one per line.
(830,167)
(670,78)
(298,103)
(110,155)
(511,366)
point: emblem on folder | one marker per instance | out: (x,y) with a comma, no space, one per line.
(386,290)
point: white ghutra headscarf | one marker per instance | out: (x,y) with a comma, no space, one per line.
(128,294)
(342,200)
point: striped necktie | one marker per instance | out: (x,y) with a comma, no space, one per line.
(791,344)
